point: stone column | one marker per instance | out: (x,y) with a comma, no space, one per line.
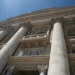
(10,47)
(11,71)
(3,33)
(42,69)
(58,63)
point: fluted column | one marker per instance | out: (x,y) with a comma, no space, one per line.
(58,63)
(3,33)
(10,47)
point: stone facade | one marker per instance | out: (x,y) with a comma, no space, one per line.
(39,43)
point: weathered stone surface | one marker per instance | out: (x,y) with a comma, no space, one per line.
(40,22)
(10,47)
(58,63)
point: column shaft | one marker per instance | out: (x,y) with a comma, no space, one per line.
(3,33)
(10,47)
(42,73)
(58,63)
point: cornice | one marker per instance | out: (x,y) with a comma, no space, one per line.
(37,16)
(46,10)
(42,15)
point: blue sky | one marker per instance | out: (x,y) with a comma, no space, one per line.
(11,8)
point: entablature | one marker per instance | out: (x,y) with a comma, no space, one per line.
(30,63)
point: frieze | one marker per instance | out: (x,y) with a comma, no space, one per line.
(31,51)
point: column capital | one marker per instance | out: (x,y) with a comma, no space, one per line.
(26,24)
(6,28)
(42,68)
(57,19)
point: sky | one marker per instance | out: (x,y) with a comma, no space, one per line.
(12,8)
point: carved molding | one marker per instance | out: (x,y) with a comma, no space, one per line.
(37,40)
